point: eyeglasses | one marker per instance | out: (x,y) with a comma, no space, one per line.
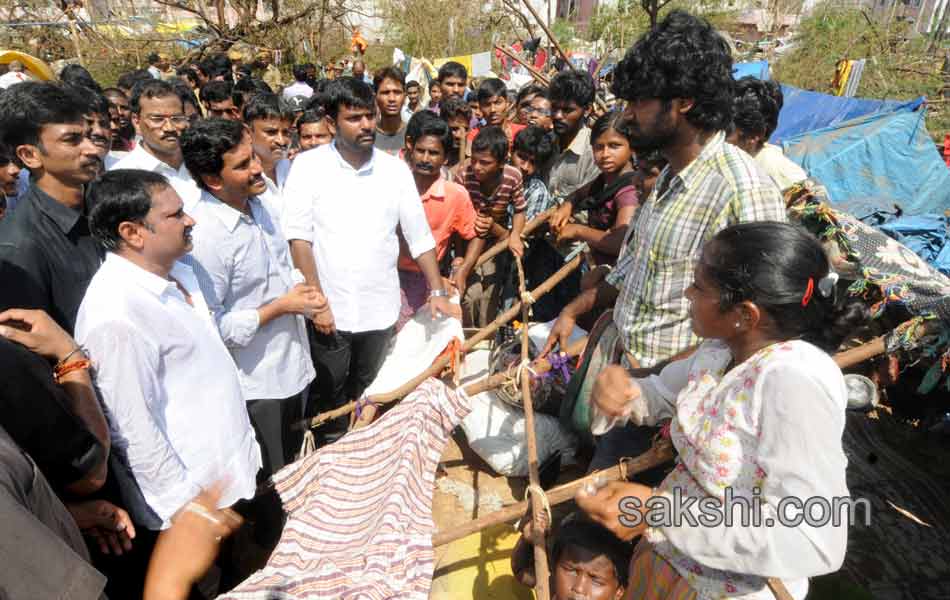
(541,111)
(160,120)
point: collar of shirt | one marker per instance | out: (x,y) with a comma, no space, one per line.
(436,191)
(150,162)
(688,176)
(228,215)
(147,280)
(581,142)
(365,169)
(64,217)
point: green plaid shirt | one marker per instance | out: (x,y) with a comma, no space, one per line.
(721,187)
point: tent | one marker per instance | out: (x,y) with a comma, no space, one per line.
(887,156)
(758,69)
(806,111)
(36,67)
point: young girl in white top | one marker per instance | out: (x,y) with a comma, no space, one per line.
(756,413)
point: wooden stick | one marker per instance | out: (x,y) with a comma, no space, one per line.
(542,580)
(547,32)
(502,244)
(661,452)
(438,366)
(534,72)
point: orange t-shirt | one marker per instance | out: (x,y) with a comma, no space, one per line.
(510,129)
(449,210)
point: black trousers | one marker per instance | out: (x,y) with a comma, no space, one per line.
(346,363)
(273,422)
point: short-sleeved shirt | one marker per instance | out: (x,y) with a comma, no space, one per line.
(35,412)
(47,257)
(603,215)
(573,167)
(511,130)
(449,210)
(508,193)
(43,552)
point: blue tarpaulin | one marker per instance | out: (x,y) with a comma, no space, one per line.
(886,157)
(806,111)
(927,235)
(758,69)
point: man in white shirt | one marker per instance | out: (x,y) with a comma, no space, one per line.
(158,115)
(15,74)
(170,389)
(269,120)
(244,269)
(344,202)
(299,87)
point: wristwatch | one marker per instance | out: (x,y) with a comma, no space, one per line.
(438,293)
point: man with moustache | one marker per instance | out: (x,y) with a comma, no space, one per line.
(247,278)
(177,418)
(571,95)
(123,133)
(158,115)
(345,201)
(47,254)
(270,120)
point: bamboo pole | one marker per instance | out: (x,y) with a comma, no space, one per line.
(661,452)
(542,579)
(502,244)
(547,31)
(534,72)
(438,366)
(74,33)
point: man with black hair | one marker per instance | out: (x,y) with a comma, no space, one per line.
(246,275)
(571,95)
(127,81)
(447,205)
(123,133)
(9,180)
(453,79)
(314,129)
(221,101)
(492,97)
(299,87)
(458,115)
(158,114)
(269,122)
(539,111)
(390,84)
(47,254)
(148,329)
(412,105)
(153,65)
(756,108)
(359,72)
(344,202)
(523,101)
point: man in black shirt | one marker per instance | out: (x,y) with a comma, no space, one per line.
(47,255)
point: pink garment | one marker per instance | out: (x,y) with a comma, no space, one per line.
(359,511)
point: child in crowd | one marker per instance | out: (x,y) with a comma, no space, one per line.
(492,97)
(586,561)
(495,188)
(533,149)
(314,129)
(523,101)
(610,200)
(447,205)
(758,410)
(457,114)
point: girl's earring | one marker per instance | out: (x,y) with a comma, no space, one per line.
(737,325)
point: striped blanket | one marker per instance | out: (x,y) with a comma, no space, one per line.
(359,511)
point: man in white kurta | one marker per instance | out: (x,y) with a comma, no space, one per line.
(170,389)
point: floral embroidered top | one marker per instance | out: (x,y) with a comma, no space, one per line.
(769,428)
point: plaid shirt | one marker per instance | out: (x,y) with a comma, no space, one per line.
(721,187)
(508,193)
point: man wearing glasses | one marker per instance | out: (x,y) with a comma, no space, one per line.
(159,117)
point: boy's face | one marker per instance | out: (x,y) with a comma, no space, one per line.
(435,93)
(315,134)
(524,163)
(459,128)
(582,575)
(494,110)
(476,109)
(485,166)
(427,156)
(645,180)
(453,87)
(390,97)
(271,138)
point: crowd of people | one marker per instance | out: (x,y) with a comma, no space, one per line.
(196,259)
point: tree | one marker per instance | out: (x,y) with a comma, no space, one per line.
(653,8)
